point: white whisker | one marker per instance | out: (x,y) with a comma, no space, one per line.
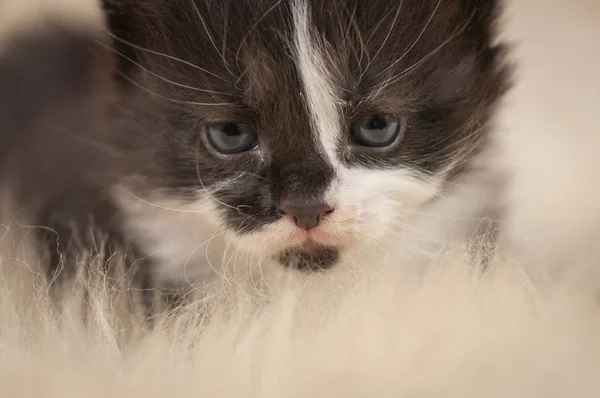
(415,42)
(162,207)
(386,37)
(237,53)
(146,50)
(174,100)
(363,46)
(395,78)
(159,76)
(352,16)
(206,242)
(222,54)
(202,183)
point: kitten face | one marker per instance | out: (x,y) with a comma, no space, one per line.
(300,129)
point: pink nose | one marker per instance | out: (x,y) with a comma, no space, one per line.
(307,217)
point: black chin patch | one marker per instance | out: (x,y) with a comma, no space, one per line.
(315,258)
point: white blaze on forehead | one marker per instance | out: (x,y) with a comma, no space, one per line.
(320,92)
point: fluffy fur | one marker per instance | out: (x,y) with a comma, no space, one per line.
(452,333)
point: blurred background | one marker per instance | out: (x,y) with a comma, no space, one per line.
(551,129)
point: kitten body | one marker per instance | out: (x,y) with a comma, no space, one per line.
(247,133)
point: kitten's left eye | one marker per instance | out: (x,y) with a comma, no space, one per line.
(232,138)
(377,131)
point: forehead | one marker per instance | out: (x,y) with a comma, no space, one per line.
(303,71)
(250,47)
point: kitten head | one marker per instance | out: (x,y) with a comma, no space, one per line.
(301,128)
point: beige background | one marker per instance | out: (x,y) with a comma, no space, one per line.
(551,126)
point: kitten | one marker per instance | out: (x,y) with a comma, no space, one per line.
(306,133)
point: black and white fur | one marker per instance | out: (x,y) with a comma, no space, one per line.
(301,73)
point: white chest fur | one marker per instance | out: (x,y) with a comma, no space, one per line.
(184,241)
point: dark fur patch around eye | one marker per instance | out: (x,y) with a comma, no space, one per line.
(428,142)
(430,117)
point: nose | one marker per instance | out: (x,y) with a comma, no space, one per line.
(307,216)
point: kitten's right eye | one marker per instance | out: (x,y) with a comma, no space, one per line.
(232,138)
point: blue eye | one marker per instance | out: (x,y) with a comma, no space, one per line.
(232,138)
(377,131)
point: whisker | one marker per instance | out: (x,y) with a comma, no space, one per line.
(241,225)
(231,264)
(174,100)
(386,37)
(222,54)
(352,16)
(352,25)
(222,273)
(440,216)
(456,150)
(224,42)
(248,266)
(93,143)
(242,173)
(160,206)
(422,60)
(202,183)
(163,55)
(405,244)
(225,260)
(415,42)
(237,53)
(188,259)
(157,75)
(363,46)
(262,275)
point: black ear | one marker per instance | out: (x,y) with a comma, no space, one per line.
(481,17)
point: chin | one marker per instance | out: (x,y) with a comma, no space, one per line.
(310,256)
(348,230)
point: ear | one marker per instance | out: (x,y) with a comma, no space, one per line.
(482,17)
